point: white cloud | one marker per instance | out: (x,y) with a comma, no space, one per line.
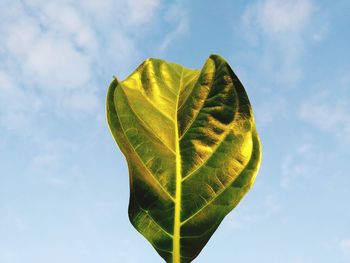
(284,16)
(7,256)
(304,163)
(178,17)
(141,11)
(267,111)
(344,245)
(278,19)
(266,207)
(44,65)
(16,104)
(48,162)
(55,53)
(66,20)
(55,64)
(58,58)
(328,114)
(281,30)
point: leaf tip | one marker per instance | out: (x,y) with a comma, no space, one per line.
(216,57)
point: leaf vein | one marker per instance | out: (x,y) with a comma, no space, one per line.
(219,192)
(143,124)
(141,161)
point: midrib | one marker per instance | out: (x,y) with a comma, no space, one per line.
(177,213)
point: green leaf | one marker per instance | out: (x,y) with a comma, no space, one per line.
(192,149)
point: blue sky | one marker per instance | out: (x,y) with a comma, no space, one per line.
(63,182)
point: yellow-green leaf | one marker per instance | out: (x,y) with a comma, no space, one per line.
(192,149)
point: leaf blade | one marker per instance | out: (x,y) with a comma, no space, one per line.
(192,149)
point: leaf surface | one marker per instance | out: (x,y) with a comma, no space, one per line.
(192,150)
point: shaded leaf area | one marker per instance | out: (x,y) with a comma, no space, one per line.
(192,149)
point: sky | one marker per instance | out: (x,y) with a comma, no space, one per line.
(63,182)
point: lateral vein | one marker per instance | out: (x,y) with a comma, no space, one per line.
(145,125)
(221,191)
(141,161)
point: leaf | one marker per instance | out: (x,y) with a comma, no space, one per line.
(192,149)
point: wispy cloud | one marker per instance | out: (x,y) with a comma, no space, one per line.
(177,16)
(47,64)
(141,11)
(344,245)
(47,163)
(297,261)
(7,256)
(329,113)
(55,53)
(276,17)
(281,31)
(16,104)
(302,164)
(266,207)
(268,112)
(55,57)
